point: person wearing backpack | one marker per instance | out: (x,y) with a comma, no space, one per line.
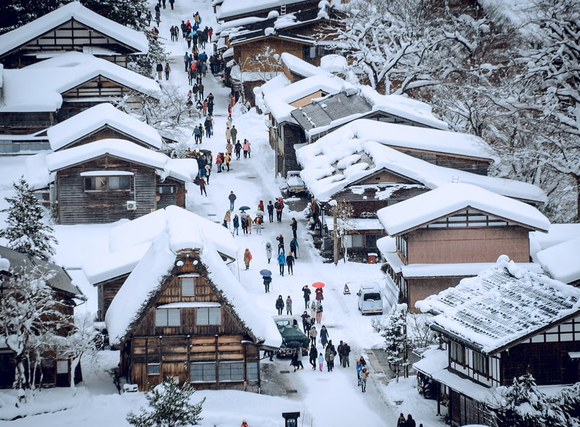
(279,206)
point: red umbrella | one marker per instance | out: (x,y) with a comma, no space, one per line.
(318,285)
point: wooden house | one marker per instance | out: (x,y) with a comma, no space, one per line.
(71,28)
(181,313)
(103,121)
(55,370)
(231,10)
(40,95)
(256,46)
(453,232)
(111,179)
(495,327)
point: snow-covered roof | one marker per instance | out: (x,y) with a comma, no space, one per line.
(559,233)
(278,102)
(230,8)
(501,306)
(360,149)
(182,230)
(95,118)
(39,87)
(333,63)
(448,199)
(80,13)
(562,261)
(301,67)
(181,169)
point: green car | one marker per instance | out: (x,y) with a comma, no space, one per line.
(292,336)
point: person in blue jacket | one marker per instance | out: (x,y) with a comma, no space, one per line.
(281,262)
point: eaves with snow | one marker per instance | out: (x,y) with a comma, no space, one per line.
(135,41)
(501,307)
(562,261)
(448,199)
(363,147)
(95,118)
(41,167)
(40,87)
(170,231)
(229,9)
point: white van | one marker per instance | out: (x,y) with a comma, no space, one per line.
(370,299)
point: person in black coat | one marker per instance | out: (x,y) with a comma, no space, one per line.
(270,208)
(306,295)
(279,304)
(313,354)
(267,281)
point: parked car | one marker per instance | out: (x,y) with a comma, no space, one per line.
(370,299)
(294,183)
(292,336)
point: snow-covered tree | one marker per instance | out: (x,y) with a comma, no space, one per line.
(83,339)
(523,405)
(394,330)
(342,213)
(26,232)
(169,405)
(145,64)
(30,318)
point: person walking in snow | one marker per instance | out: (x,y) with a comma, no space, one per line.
(305,322)
(228,218)
(401,420)
(323,336)
(279,206)
(167,70)
(345,355)
(288,306)
(202,186)
(159,70)
(208,124)
(410,422)
(312,334)
(229,147)
(279,305)
(294,226)
(246,147)
(319,294)
(207,168)
(232,198)
(319,310)
(236,224)
(247,258)
(234,133)
(269,251)
(312,355)
(270,211)
(197,134)
(267,280)
(320,361)
(294,247)
(290,263)
(281,262)
(280,240)
(227,160)
(258,221)
(228,135)
(237,149)
(329,355)
(363,376)
(306,295)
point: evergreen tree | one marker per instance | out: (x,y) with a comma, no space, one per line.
(169,406)
(26,233)
(395,334)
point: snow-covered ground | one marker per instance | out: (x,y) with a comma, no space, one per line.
(322,398)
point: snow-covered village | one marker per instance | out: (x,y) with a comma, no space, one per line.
(284,213)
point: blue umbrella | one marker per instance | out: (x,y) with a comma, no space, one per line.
(244,208)
(265,272)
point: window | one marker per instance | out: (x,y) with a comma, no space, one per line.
(62,366)
(167,317)
(401,245)
(166,189)
(371,241)
(480,363)
(457,352)
(202,372)
(107,183)
(187,287)
(153,369)
(252,371)
(231,371)
(209,316)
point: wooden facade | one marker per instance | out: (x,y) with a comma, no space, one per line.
(85,197)
(545,355)
(468,236)
(68,37)
(104,132)
(190,332)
